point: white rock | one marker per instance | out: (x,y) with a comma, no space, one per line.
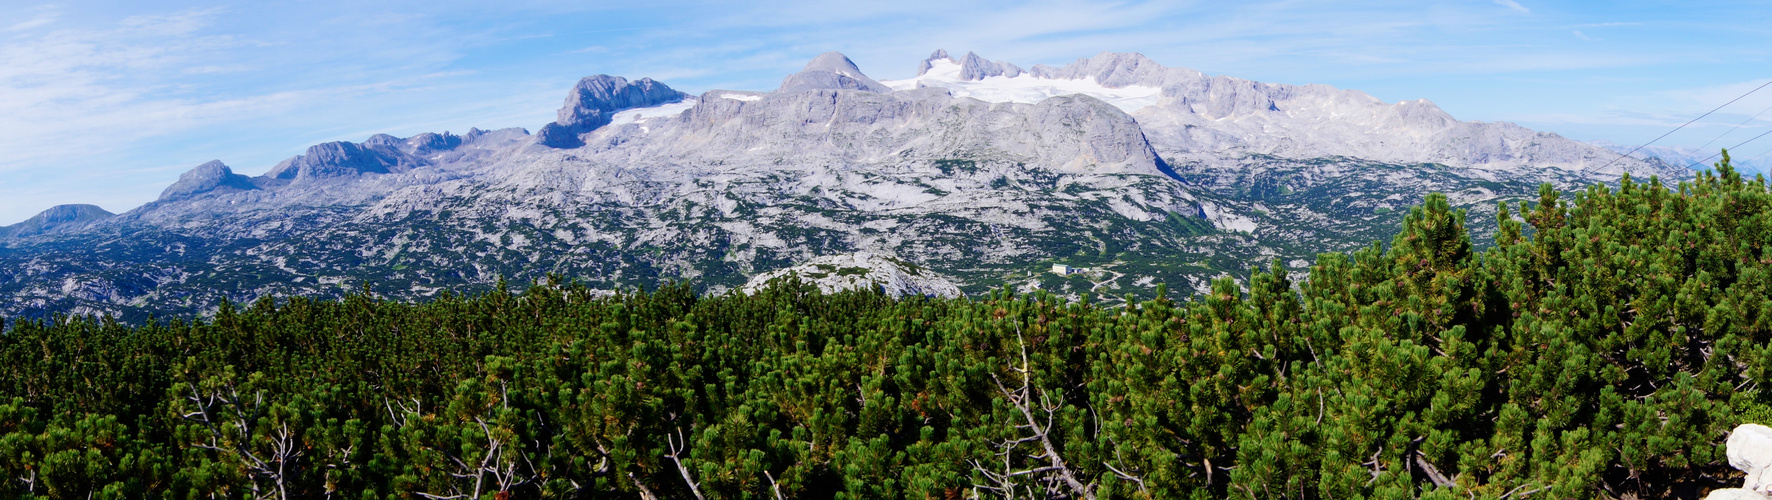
(1734,494)
(835,273)
(1750,450)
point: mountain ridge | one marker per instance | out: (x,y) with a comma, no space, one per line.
(637,183)
(1198,115)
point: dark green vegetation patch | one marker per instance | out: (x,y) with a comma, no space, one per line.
(1600,348)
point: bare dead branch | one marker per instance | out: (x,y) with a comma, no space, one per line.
(677,446)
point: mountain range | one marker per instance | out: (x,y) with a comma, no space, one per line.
(977,171)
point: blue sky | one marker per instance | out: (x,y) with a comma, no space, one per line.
(108,102)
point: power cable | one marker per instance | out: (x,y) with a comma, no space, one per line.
(1732,129)
(1683,125)
(1699,163)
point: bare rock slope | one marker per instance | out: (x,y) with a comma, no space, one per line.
(862,271)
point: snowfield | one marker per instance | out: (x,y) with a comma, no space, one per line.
(1026,88)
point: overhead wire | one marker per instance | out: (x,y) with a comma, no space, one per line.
(1732,129)
(1700,163)
(1683,125)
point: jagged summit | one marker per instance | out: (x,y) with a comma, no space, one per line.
(381,154)
(973,67)
(939,55)
(58,218)
(594,102)
(211,177)
(830,70)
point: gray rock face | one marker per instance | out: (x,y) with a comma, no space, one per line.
(1070,133)
(973,67)
(1117,69)
(830,70)
(59,218)
(594,102)
(380,154)
(211,177)
(430,142)
(1201,117)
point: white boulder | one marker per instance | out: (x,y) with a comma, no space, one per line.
(1750,451)
(1734,494)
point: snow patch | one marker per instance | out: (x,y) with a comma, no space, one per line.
(742,97)
(1224,219)
(640,115)
(1026,88)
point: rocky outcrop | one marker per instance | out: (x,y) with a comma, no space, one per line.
(595,101)
(211,177)
(429,142)
(862,271)
(1119,69)
(830,71)
(381,154)
(59,218)
(1750,451)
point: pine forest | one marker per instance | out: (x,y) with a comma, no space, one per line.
(1601,346)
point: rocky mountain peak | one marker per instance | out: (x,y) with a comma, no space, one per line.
(939,55)
(830,70)
(974,67)
(345,159)
(384,141)
(211,177)
(58,218)
(595,100)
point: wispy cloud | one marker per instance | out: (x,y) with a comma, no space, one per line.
(91,90)
(1515,6)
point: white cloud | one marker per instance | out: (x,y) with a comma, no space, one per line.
(84,91)
(39,16)
(40,21)
(1511,4)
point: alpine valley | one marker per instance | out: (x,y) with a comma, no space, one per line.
(973,175)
